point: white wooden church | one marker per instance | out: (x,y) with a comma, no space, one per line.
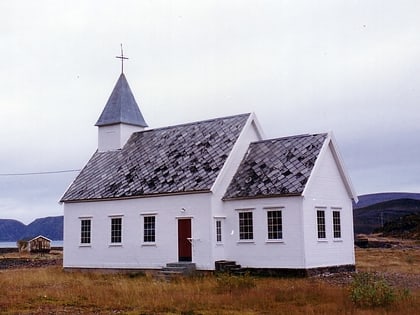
(204,192)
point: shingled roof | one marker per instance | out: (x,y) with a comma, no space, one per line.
(277,167)
(184,158)
(121,107)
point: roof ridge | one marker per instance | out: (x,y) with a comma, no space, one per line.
(193,123)
(292,137)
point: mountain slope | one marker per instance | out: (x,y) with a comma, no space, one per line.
(371,199)
(11,230)
(374,216)
(51,227)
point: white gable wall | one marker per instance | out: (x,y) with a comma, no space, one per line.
(133,253)
(327,191)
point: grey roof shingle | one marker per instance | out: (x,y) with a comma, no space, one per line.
(121,107)
(184,158)
(276,167)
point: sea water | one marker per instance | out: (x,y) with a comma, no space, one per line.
(13,244)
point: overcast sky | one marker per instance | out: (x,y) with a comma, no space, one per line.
(352,67)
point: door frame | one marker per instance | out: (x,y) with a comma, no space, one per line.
(184,238)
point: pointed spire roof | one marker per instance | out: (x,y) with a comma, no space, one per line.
(121,107)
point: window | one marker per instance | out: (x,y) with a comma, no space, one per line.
(274,225)
(336,224)
(218,231)
(116,230)
(85,231)
(245,226)
(149,235)
(320,217)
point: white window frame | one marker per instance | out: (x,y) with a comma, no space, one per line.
(334,224)
(218,230)
(274,240)
(81,219)
(246,240)
(111,218)
(318,231)
(144,215)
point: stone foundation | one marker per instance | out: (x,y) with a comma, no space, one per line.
(286,272)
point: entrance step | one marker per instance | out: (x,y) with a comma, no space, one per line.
(229,266)
(177,269)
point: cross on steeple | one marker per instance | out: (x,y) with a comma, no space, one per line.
(122,57)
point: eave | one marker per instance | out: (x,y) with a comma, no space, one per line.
(263,196)
(166,194)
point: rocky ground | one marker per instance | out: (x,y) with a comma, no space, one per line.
(397,261)
(398,280)
(11,263)
(24,260)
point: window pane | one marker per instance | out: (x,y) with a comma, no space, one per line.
(321,223)
(245,226)
(85,231)
(149,229)
(274,224)
(116,229)
(218,231)
(336,224)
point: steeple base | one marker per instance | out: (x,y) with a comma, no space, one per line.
(114,137)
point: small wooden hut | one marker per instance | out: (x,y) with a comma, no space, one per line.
(40,244)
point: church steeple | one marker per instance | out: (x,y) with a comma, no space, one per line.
(121,107)
(121,116)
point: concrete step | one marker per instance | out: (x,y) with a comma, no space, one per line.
(176,269)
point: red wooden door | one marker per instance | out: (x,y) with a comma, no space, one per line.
(184,240)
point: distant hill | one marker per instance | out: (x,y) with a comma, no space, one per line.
(371,199)
(51,227)
(12,230)
(378,209)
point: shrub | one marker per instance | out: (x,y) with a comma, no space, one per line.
(370,290)
(22,245)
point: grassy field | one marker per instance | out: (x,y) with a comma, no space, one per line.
(52,291)
(406,261)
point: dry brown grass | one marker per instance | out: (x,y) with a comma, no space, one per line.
(52,291)
(53,254)
(394,260)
